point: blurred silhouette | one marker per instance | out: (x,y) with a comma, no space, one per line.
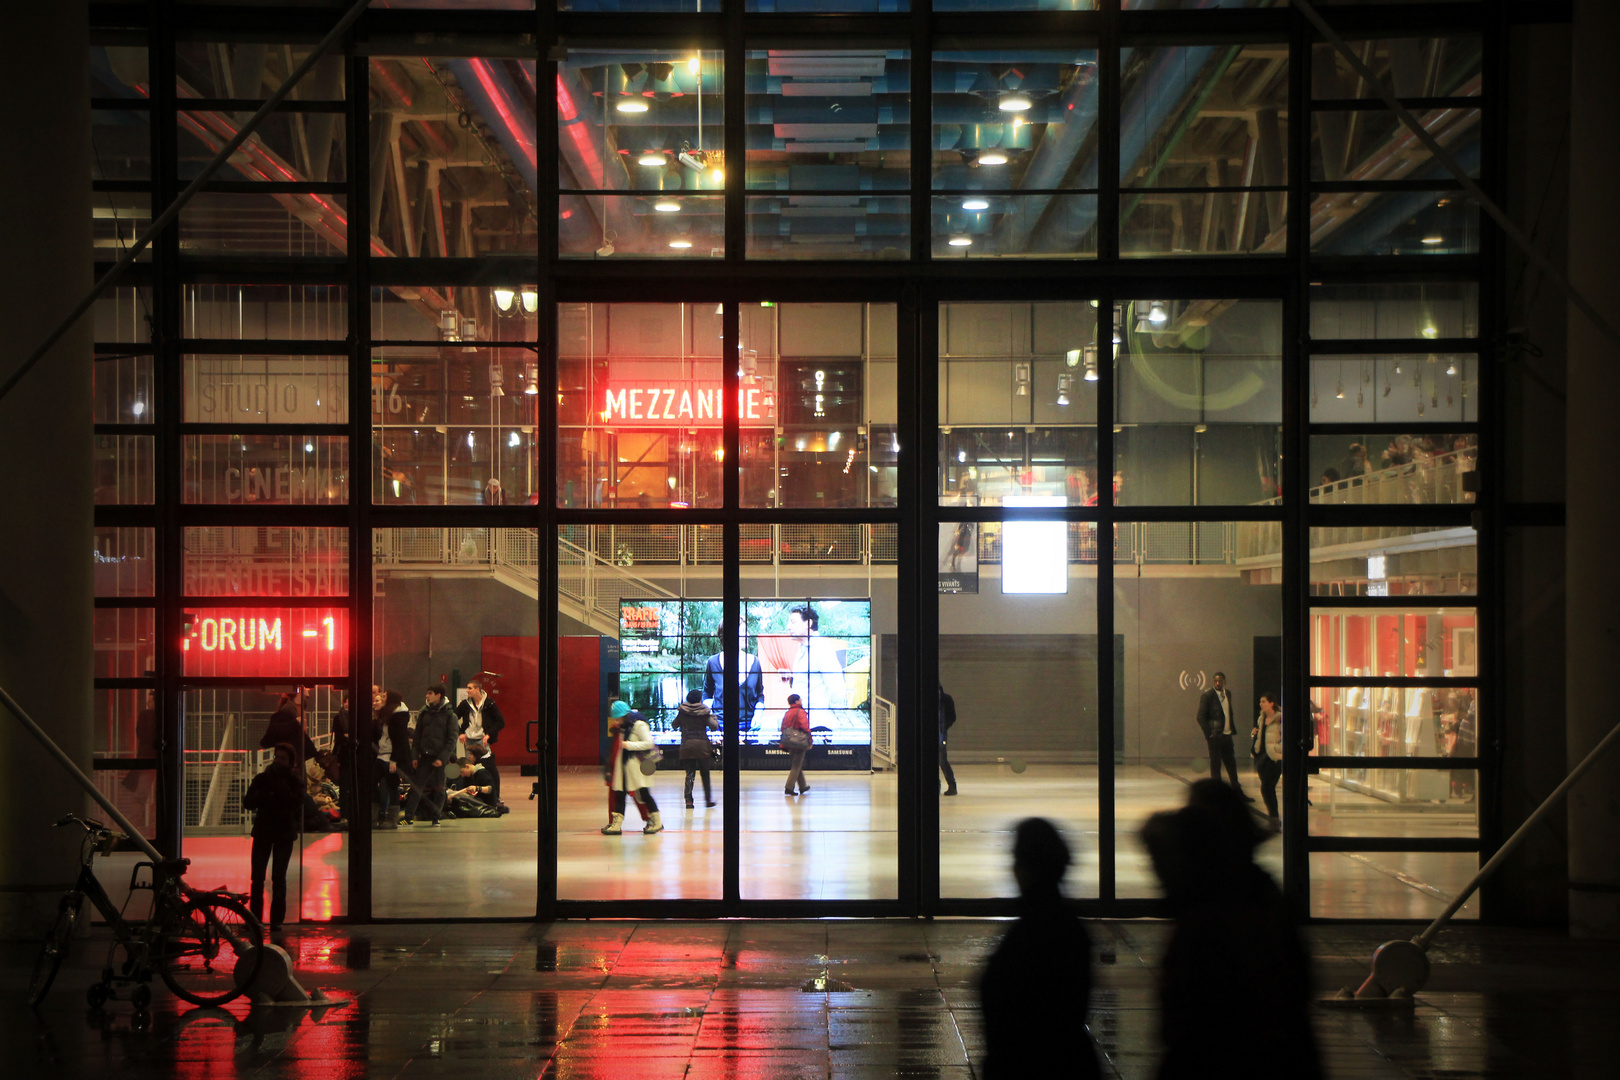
(1037,985)
(1235,988)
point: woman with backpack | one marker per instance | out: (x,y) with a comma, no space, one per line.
(694,720)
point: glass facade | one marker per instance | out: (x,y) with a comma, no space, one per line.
(415,395)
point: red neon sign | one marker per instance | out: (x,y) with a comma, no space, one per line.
(272,642)
(688,404)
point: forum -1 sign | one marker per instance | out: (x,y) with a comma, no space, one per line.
(251,642)
(686,404)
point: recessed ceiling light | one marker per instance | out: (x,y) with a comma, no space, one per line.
(960,241)
(1434,239)
(631,105)
(652,159)
(1014,103)
(976,204)
(666,206)
(992,157)
(680,245)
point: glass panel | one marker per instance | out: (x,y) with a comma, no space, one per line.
(635,624)
(1198,223)
(455,169)
(641,121)
(639,391)
(123,389)
(125,724)
(311,226)
(1390,721)
(264,312)
(134,792)
(1394,560)
(1015,5)
(643,226)
(971,226)
(117,220)
(1444,310)
(816,7)
(253,469)
(449,314)
(1183,617)
(124,561)
(1007,759)
(616,6)
(120,144)
(126,645)
(259,561)
(1405,803)
(119,71)
(252,71)
(828,129)
(1017,402)
(833,646)
(286,148)
(454,425)
(123,470)
(226,735)
(1008,120)
(455,608)
(1407,643)
(1394,223)
(1376,145)
(1199,409)
(818,405)
(1404,388)
(123,313)
(1390,884)
(248,641)
(265,389)
(1409,67)
(1164,5)
(1433,469)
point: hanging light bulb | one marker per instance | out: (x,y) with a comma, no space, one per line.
(531,301)
(504,298)
(512,440)
(1340,393)
(694,64)
(1451,368)
(1156,313)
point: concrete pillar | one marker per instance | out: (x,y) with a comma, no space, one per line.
(1593,506)
(45,451)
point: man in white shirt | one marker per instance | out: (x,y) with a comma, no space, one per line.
(481,720)
(1216,721)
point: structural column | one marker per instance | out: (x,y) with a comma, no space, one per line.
(1593,502)
(45,452)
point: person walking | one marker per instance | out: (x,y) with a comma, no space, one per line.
(694,720)
(391,748)
(1266,748)
(1215,720)
(947,720)
(1040,971)
(795,740)
(433,745)
(276,797)
(632,739)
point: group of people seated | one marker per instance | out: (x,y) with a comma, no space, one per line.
(413,757)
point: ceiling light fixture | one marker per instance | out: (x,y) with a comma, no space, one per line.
(960,241)
(652,159)
(631,105)
(504,298)
(1451,368)
(975,204)
(531,301)
(993,157)
(680,245)
(1432,240)
(666,206)
(1156,313)
(1014,103)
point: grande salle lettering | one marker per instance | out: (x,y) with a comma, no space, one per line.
(694,404)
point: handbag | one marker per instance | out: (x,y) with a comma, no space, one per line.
(650,759)
(795,739)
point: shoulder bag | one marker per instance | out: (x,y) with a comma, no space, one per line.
(795,739)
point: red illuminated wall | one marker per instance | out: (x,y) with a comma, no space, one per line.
(579,692)
(517,661)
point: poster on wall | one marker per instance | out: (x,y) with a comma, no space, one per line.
(818,649)
(958,557)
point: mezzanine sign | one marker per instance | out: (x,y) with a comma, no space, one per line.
(686,404)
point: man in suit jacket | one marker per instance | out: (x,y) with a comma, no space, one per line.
(1219,724)
(750,688)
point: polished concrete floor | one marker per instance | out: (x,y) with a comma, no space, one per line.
(833,1000)
(837,842)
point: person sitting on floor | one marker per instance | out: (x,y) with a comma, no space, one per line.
(473,795)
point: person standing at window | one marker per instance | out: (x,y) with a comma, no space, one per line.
(1266,738)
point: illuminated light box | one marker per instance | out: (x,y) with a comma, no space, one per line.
(283,643)
(1034,554)
(685,403)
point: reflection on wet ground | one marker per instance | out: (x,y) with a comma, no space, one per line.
(844,999)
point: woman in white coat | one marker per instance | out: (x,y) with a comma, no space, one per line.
(631,738)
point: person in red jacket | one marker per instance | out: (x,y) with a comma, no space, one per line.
(796,741)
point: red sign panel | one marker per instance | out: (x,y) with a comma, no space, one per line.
(281,643)
(683,404)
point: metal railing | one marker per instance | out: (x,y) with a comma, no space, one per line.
(882,733)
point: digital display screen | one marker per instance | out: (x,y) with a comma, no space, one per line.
(818,649)
(288,643)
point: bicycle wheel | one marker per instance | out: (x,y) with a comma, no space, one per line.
(207,945)
(54,949)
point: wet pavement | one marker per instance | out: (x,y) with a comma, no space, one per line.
(844,999)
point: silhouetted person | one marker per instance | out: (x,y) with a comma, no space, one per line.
(1037,985)
(276,797)
(947,720)
(1234,993)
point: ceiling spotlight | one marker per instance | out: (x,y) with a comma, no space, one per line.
(1430,332)
(666,206)
(1091,374)
(309,448)
(975,204)
(1014,103)
(993,157)
(1021,377)
(1065,381)
(139,408)
(1397,367)
(694,64)
(531,301)
(1156,313)
(504,298)
(680,245)
(1340,393)
(652,159)
(960,241)
(1451,368)
(1072,358)
(631,105)
(1432,240)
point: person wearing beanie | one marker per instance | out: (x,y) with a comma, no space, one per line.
(632,739)
(694,720)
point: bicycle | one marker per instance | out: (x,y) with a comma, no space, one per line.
(204,943)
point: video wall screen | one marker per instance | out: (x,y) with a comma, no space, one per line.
(818,649)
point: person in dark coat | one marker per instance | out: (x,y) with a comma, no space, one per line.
(276,797)
(481,721)
(433,745)
(1037,986)
(287,726)
(1217,719)
(947,720)
(1235,946)
(391,751)
(694,721)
